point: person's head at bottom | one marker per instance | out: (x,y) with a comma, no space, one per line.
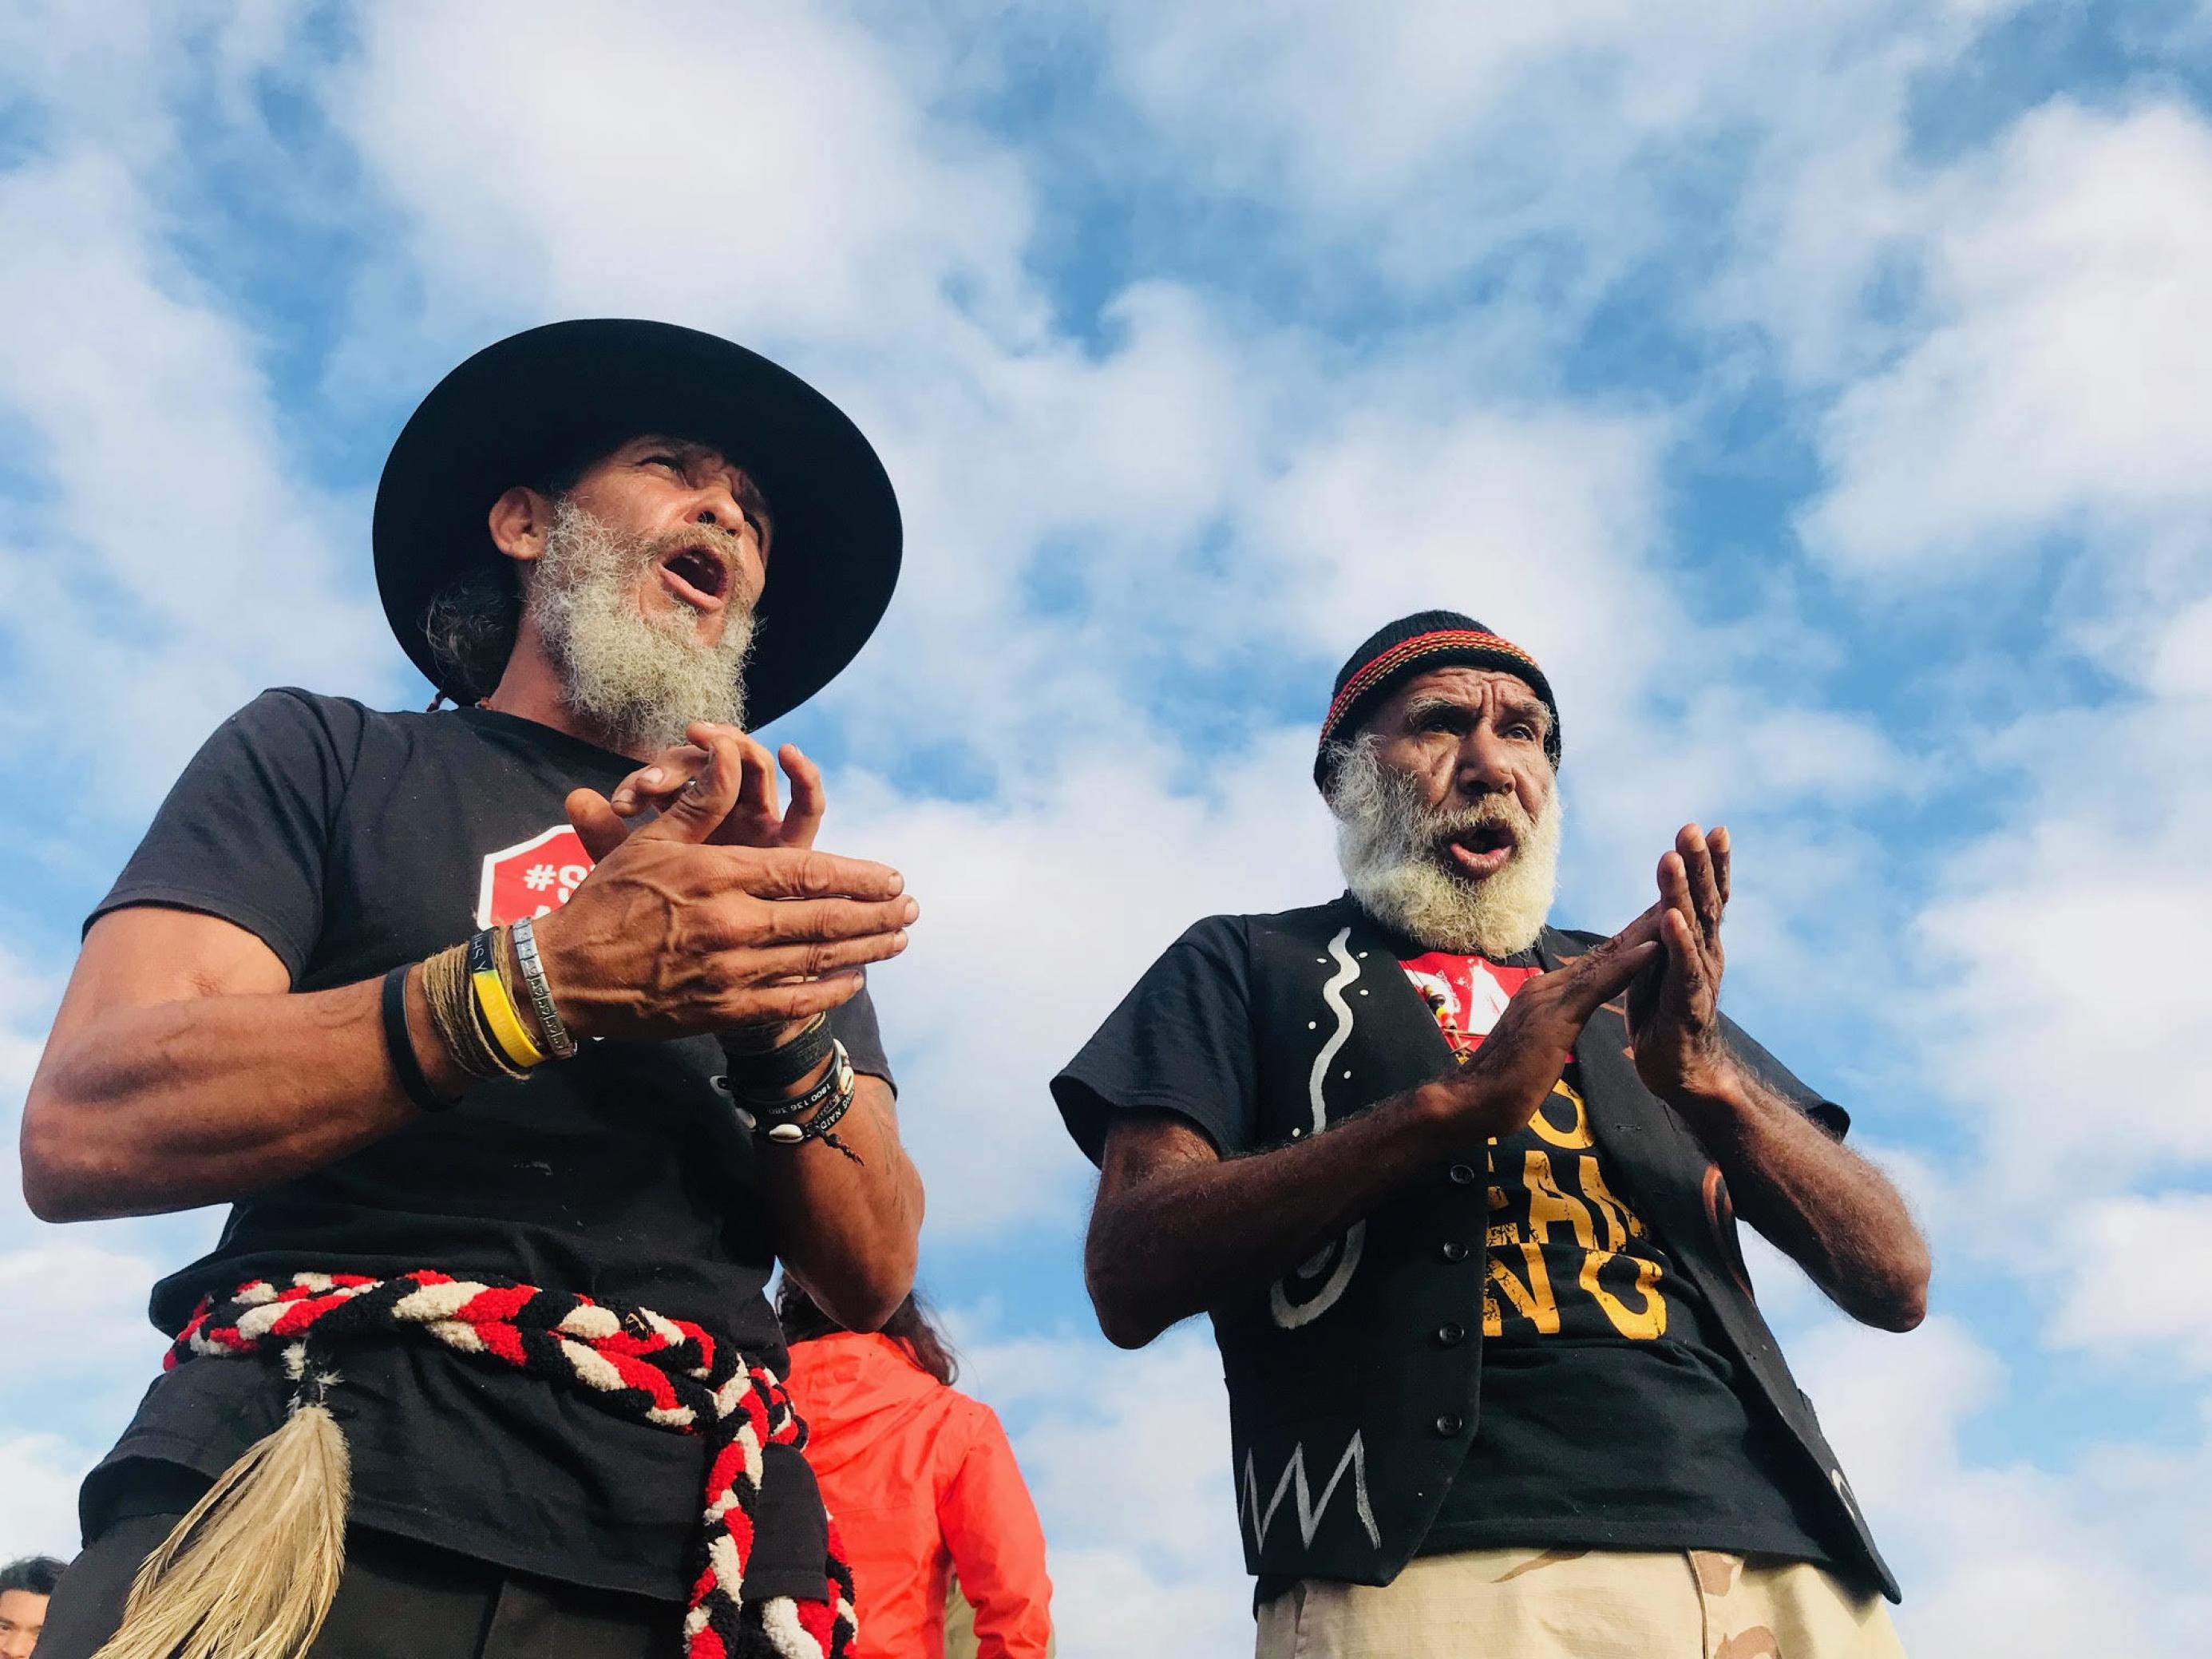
(24,1587)
(910,1326)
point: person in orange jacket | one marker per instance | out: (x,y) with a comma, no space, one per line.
(922,1485)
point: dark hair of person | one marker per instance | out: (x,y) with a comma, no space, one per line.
(910,1326)
(37,1574)
(470,624)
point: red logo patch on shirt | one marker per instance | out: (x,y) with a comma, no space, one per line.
(532,877)
(1465,994)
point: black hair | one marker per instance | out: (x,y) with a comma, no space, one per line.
(37,1574)
(909,1325)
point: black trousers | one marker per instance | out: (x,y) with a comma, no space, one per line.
(398,1600)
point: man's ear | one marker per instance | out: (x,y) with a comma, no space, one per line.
(518,521)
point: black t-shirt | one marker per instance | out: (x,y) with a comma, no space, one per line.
(1612,1413)
(350,841)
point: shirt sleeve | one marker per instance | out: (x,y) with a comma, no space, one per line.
(1181,1042)
(245,831)
(991,1530)
(853,1024)
(1784,1082)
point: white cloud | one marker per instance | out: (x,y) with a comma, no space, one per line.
(38,1476)
(2063,386)
(97,1296)
(775,170)
(1127,1456)
(177,562)
(2004,1558)
(2140,1272)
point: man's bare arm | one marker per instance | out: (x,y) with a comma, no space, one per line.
(1176,1229)
(849,1232)
(183,1071)
(1829,1210)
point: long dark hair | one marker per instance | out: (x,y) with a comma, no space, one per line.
(910,1326)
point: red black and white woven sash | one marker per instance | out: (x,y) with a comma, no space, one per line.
(633,1363)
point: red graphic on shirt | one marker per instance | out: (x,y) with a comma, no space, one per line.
(532,877)
(1466,993)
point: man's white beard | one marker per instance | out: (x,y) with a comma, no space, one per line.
(1396,861)
(635,680)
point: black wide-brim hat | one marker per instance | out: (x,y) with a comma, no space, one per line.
(544,397)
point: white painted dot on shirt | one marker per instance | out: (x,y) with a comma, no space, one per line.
(1362,990)
(1313,1025)
(1347,1077)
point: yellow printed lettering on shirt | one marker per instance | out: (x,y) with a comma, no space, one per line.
(1549,1207)
(1621,1224)
(1642,1325)
(1531,1301)
(1577,1133)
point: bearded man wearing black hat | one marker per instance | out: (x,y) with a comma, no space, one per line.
(523,1040)
(1458,1189)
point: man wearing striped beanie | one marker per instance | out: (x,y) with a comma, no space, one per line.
(1458,1189)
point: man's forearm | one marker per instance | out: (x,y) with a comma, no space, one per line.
(204,1100)
(1188,1237)
(848,1230)
(1821,1203)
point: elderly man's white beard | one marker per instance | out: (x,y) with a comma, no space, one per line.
(1393,852)
(637,680)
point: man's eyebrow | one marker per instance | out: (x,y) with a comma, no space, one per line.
(1510,705)
(1528,708)
(687,450)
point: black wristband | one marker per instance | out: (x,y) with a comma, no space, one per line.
(764,1076)
(400,1045)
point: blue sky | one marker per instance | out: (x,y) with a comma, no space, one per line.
(1817,390)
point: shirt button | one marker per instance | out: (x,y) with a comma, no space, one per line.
(1462,1174)
(1452,1250)
(1451,1336)
(1449,1425)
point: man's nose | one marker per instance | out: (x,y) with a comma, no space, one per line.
(1484,765)
(717,504)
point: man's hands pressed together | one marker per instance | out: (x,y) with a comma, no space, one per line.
(1831,1211)
(716,914)
(1674,1005)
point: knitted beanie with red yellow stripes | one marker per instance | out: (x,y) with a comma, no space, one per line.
(1415,645)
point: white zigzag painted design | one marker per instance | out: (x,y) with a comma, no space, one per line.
(1309,1513)
(1289,1314)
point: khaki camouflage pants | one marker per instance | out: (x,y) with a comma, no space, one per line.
(1582,1604)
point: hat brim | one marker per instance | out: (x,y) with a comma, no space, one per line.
(501,416)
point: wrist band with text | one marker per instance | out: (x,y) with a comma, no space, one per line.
(497,1007)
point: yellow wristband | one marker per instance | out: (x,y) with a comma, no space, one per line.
(497,1007)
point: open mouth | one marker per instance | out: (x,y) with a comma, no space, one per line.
(1483,850)
(697,577)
